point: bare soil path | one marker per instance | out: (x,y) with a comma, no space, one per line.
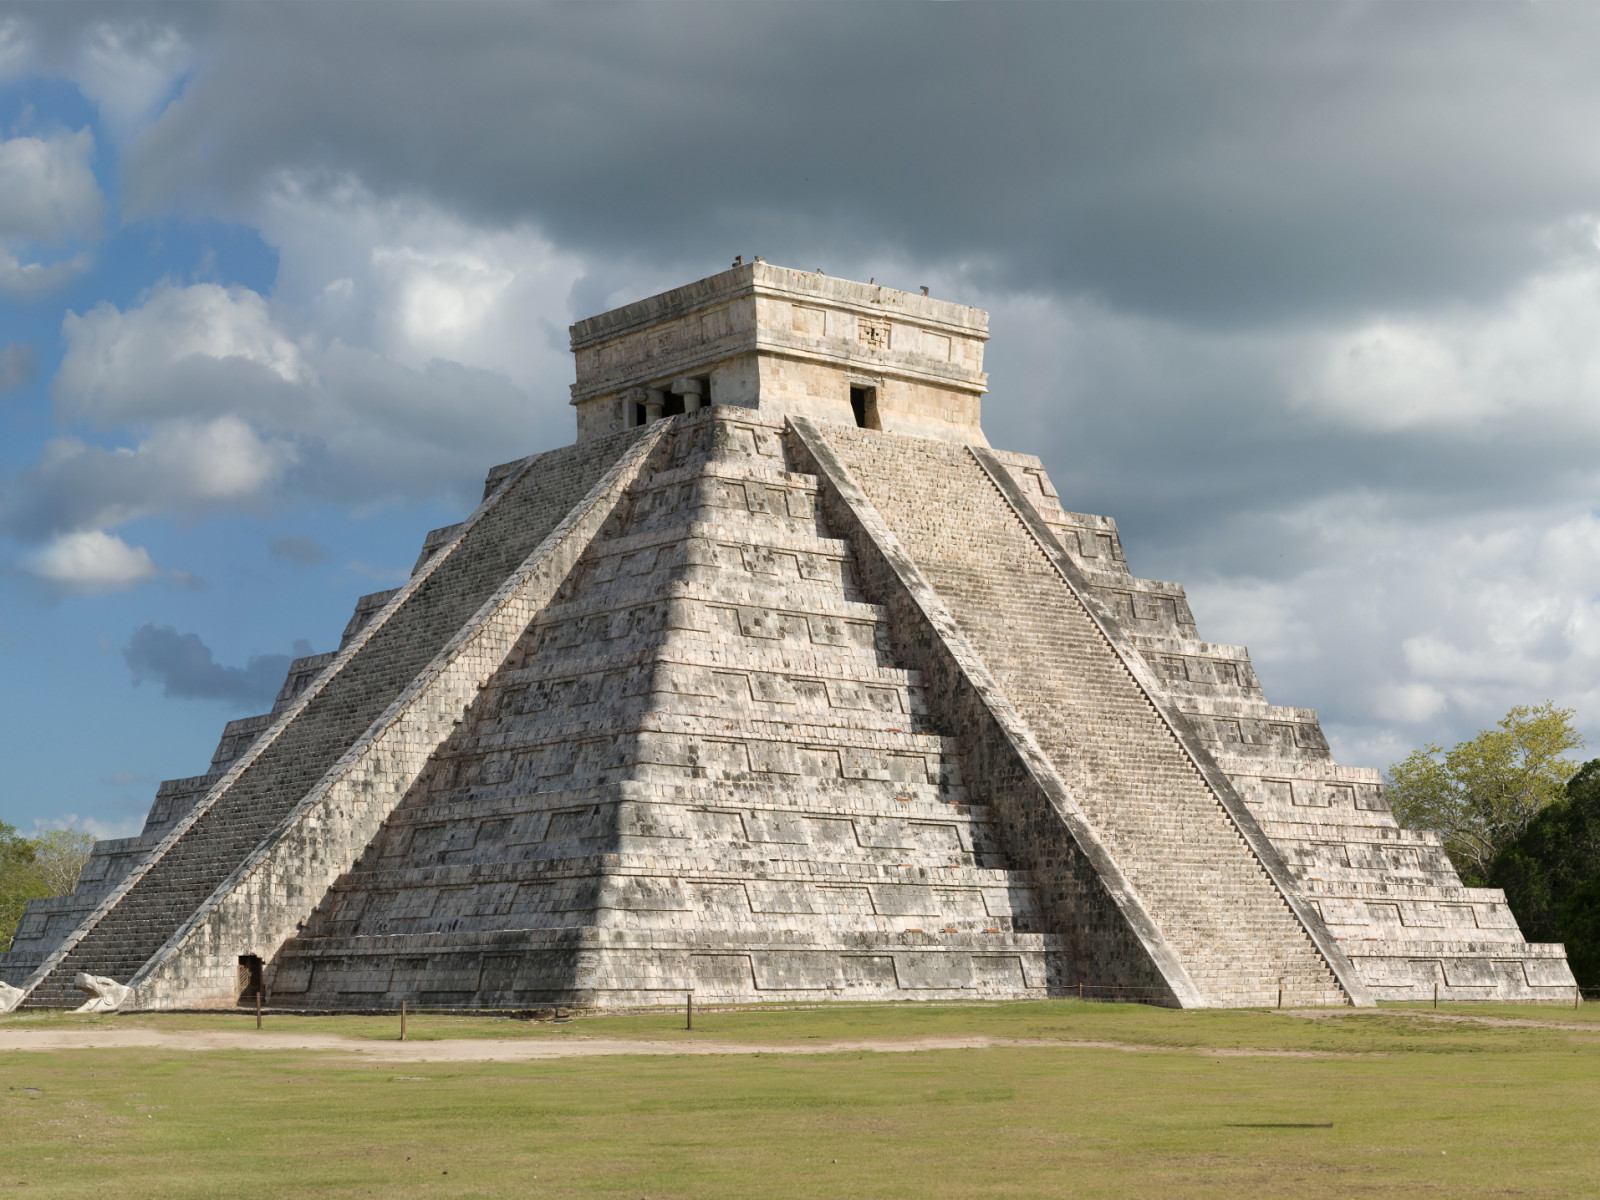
(1456,1018)
(555,1046)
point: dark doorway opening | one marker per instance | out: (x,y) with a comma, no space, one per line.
(864,403)
(671,405)
(638,415)
(249,981)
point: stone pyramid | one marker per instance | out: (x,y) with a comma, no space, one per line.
(780,683)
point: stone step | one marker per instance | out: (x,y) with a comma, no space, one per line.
(1129,776)
(378,665)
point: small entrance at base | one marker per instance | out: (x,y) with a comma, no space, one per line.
(249,979)
(864,403)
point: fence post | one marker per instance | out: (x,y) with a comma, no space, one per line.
(1280,995)
(688,1009)
(1436,993)
(402,1020)
(258,1005)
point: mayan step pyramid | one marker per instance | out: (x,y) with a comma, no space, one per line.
(778,684)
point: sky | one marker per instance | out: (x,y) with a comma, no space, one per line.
(1307,297)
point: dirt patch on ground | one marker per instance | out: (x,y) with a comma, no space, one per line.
(559,1046)
(1458,1018)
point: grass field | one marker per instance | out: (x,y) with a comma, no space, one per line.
(1120,1101)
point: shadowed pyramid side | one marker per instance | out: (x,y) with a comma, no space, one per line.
(1233,925)
(1389,895)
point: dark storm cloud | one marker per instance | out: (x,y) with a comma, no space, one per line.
(1217,163)
(185,668)
(1187,220)
(1195,452)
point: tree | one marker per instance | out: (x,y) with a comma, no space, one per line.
(1483,793)
(1551,875)
(19,881)
(59,855)
(30,868)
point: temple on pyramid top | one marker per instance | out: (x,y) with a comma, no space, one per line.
(786,342)
(779,683)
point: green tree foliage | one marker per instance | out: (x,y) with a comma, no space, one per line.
(47,865)
(19,881)
(1483,793)
(1551,875)
(58,857)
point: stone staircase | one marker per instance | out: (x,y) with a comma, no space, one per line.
(1390,896)
(48,922)
(699,768)
(1211,897)
(166,884)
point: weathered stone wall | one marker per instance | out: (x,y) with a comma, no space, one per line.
(1108,938)
(701,768)
(270,896)
(48,922)
(788,342)
(1389,896)
(1212,883)
(250,801)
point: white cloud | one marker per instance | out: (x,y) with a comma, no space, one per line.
(47,188)
(362,423)
(35,278)
(181,466)
(1535,353)
(1408,703)
(125,828)
(181,351)
(130,69)
(219,462)
(91,560)
(439,299)
(1410,576)
(16,48)
(48,194)
(16,366)
(414,282)
(1422,631)
(401,351)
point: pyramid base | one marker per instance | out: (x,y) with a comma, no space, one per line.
(614,969)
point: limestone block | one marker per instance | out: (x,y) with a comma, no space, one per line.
(10,997)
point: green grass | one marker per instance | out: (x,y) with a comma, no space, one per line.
(1418,1107)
